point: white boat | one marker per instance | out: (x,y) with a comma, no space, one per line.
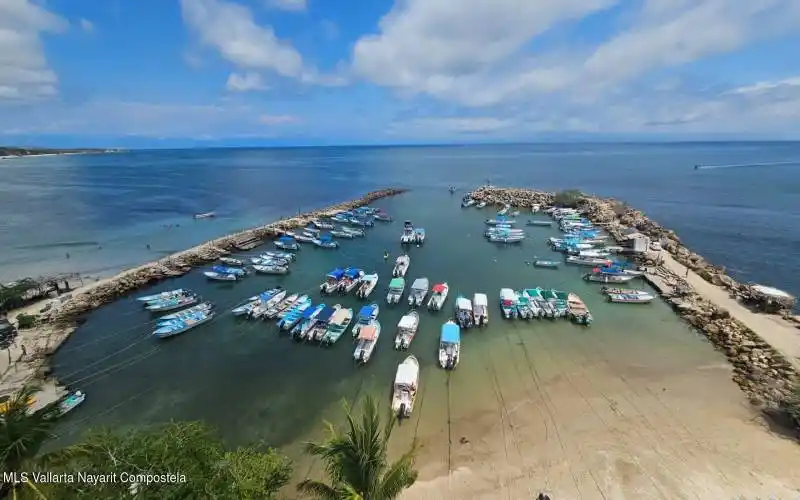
(355,231)
(406,329)
(302,238)
(419,236)
(632,298)
(401,266)
(480,309)
(231,261)
(332,279)
(337,326)
(172,303)
(481,204)
(396,288)
(215,276)
(161,296)
(271,269)
(408,233)
(276,308)
(265,305)
(352,278)
(366,341)
(322,224)
(508,303)
(303,300)
(366,315)
(587,261)
(419,289)
(438,296)
(70,402)
(449,345)
(608,278)
(185,313)
(286,243)
(463,312)
(624,291)
(343,234)
(175,328)
(287,256)
(507,238)
(206,215)
(406,383)
(368,284)
(467,202)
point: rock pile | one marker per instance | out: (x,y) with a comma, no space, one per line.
(512,196)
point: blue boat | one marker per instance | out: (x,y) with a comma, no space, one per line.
(331,283)
(254,301)
(236,271)
(366,315)
(183,325)
(186,313)
(70,402)
(326,241)
(170,304)
(307,320)
(321,323)
(161,296)
(449,345)
(287,243)
(293,316)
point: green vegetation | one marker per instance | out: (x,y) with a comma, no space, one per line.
(792,405)
(27,321)
(14,295)
(356,461)
(569,198)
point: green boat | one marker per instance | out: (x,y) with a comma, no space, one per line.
(525,309)
(337,326)
(558,300)
(546,309)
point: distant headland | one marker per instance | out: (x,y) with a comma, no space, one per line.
(8,152)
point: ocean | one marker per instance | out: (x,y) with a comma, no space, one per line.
(256,385)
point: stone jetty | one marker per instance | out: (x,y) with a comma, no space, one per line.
(761,370)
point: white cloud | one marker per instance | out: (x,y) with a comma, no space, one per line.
(289,5)
(24,71)
(451,126)
(278,119)
(86,25)
(245,82)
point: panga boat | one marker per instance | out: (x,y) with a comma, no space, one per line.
(401,266)
(587,261)
(287,243)
(543,223)
(307,321)
(406,382)
(625,291)
(549,264)
(231,261)
(303,301)
(355,231)
(70,402)
(508,303)
(480,309)
(463,312)
(205,306)
(322,224)
(176,302)
(326,241)
(343,234)
(288,257)
(295,314)
(368,284)
(367,340)
(632,298)
(396,288)
(337,326)
(419,289)
(215,276)
(350,280)
(438,296)
(545,308)
(161,296)
(449,345)
(277,307)
(419,236)
(206,215)
(608,277)
(331,282)
(366,315)
(271,269)
(526,309)
(264,304)
(578,312)
(320,327)
(183,325)
(406,329)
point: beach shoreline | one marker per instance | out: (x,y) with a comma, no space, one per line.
(31,362)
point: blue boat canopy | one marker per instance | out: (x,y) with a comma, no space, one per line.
(366,311)
(451,333)
(326,237)
(286,239)
(336,273)
(325,314)
(352,272)
(222,270)
(308,312)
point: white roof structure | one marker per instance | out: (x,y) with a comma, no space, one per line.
(507,293)
(480,300)
(420,284)
(409,321)
(407,373)
(462,303)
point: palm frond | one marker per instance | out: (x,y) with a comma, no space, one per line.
(318,490)
(399,475)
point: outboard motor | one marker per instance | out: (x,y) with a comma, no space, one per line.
(402,413)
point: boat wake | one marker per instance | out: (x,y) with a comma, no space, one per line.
(743,165)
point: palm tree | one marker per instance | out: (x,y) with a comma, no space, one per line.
(22,433)
(356,461)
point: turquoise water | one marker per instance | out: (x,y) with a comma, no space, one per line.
(255,384)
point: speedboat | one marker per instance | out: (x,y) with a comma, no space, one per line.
(184,325)
(337,326)
(161,296)
(366,341)
(449,345)
(419,289)
(368,284)
(406,329)
(307,320)
(419,236)
(271,269)
(480,309)
(366,315)
(401,266)
(231,261)
(295,314)
(317,332)
(463,312)
(350,280)
(396,288)
(332,279)
(172,303)
(287,243)
(406,383)
(326,241)
(266,303)
(70,402)
(577,310)
(438,296)
(508,303)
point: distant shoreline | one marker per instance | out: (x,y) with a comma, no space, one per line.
(9,153)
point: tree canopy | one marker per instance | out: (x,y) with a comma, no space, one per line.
(569,198)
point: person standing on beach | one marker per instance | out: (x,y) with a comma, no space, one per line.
(686,275)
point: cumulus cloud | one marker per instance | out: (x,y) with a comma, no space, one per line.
(86,25)
(24,70)
(245,82)
(289,5)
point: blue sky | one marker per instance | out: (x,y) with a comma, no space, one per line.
(217,72)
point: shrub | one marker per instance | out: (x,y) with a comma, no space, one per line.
(569,198)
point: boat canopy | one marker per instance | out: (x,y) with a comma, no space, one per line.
(336,273)
(420,284)
(397,283)
(507,294)
(353,272)
(340,316)
(286,239)
(419,230)
(326,313)
(451,334)
(463,303)
(326,238)
(309,312)
(408,321)
(367,311)
(480,299)
(407,374)
(369,332)
(439,288)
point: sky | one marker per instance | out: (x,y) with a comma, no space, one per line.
(284,72)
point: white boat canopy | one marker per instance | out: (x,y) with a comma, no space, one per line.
(407,375)
(408,322)
(507,293)
(480,299)
(420,284)
(463,304)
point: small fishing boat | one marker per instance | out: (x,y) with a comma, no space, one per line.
(587,261)
(326,241)
(231,261)
(271,269)
(331,283)
(366,315)
(503,210)
(526,309)
(287,243)
(368,284)
(265,303)
(251,302)
(311,231)
(277,307)
(419,236)
(578,312)
(396,288)
(419,289)
(287,256)
(161,296)
(558,302)
(322,224)
(449,345)
(236,271)
(294,314)
(206,215)
(183,325)
(548,264)
(406,384)
(306,321)
(467,202)
(464,312)
(215,276)
(499,220)
(508,303)
(546,310)
(608,277)
(70,402)
(507,237)
(320,327)
(366,342)
(205,306)
(438,296)
(172,303)
(337,326)
(299,302)
(481,204)
(624,291)
(480,309)
(355,231)
(408,233)
(541,223)
(303,238)
(343,234)
(350,280)
(632,298)
(401,266)
(382,217)
(406,329)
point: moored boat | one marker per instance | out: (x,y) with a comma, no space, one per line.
(499,220)
(231,261)
(548,264)
(287,243)
(449,345)
(294,314)
(408,233)
(587,261)
(355,231)
(320,327)
(307,321)
(608,277)
(406,329)
(205,306)
(525,308)
(271,269)
(183,325)
(545,308)
(350,280)
(366,315)
(625,291)
(205,215)
(277,307)
(176,302)
(70,402)
(480,309)
(557,300)
(366,341)
(542,223)
(337,326)
(467,202)
(301,301)
(481,204)
(632,298)
(264,304)
(419,235)
(215,276)
(287,256)
(396,288)
(332,280)
(401,266)
(438,296)
(163,295)
(368,284)
(319,224)
(463,313)
(343,234)
(578,312)
(419,289)
(406,384)
(508,303)
(326,241)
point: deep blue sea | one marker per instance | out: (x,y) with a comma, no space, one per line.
(96,214)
